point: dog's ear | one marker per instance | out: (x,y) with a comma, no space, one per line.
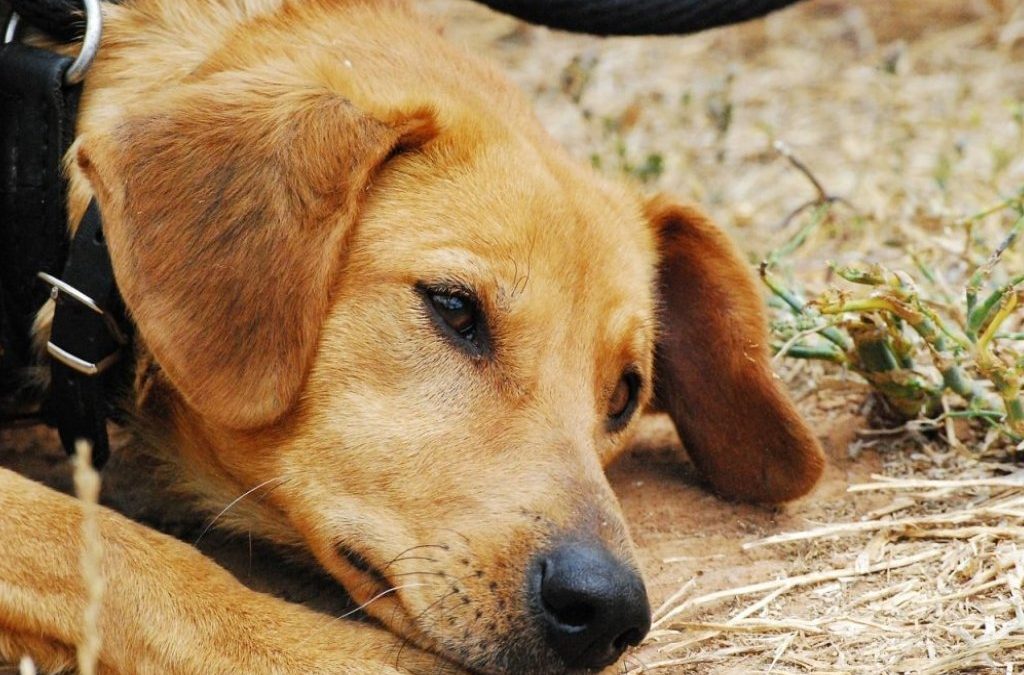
(712,367)
(227,216)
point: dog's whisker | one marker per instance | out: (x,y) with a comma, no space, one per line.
(415,621)
(436,573)
(235,502)
(407,559)
(401,556)
(355,610)
(457,534)
(434,604)
(393,589)
(412,557)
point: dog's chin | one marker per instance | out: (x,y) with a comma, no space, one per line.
(511,653)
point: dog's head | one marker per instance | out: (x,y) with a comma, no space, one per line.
(421,331)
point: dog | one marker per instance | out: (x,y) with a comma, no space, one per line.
(366,281)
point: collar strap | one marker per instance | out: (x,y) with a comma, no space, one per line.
(37,122)
(42,90)
(86,338)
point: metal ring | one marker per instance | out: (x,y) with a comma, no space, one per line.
(90,43)
(12,28)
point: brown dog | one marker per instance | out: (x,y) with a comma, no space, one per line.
(365,278)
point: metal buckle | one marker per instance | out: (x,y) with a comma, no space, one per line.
(81,365)
(67,358)
(90,41)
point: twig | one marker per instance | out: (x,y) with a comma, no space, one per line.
(977,654)
(839,529)
(87,487)
(683,590)
(784,626)
(783,149)
(799,581)
(923,484)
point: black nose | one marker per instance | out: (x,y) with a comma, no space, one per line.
(591,605)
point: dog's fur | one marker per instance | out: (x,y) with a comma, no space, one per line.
(276,178)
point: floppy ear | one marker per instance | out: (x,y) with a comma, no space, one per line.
(226,217)
(712,366)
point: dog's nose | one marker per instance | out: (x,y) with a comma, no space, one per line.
(591,605)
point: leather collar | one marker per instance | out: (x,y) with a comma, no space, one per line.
(89,333)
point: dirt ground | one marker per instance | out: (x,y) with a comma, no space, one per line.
(911,110)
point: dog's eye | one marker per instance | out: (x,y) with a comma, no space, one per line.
(622,403)
(457,313)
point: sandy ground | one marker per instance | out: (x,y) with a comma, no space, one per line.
(907,108)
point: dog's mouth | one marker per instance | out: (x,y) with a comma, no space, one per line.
(451,611)
(573,606)
(373,581)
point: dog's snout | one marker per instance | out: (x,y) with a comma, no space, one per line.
(591,605)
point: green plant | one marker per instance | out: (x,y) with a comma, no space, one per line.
(918,347)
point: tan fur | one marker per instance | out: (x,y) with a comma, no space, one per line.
(275,179)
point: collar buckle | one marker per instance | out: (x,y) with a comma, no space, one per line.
(85,339)
(83,366)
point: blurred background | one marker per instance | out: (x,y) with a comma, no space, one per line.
(909,108)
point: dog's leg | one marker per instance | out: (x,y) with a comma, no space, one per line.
(166,608)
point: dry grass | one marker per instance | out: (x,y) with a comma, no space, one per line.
(934,589)
(87,488)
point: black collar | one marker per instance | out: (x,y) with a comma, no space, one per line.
(89,333)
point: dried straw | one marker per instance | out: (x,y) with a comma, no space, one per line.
(87,487)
